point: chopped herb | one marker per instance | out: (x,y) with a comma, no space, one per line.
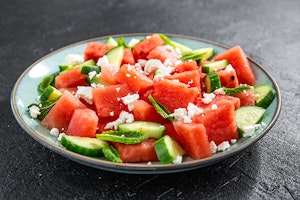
(160,109)
(112,154)
(44,107)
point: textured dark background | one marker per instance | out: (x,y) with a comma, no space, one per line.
(268,31)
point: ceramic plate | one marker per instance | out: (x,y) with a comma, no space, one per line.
(31,77)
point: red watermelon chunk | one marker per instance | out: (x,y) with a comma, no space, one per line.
(173,94)
(83,123)
(145,112)
(219,121)
(191,78)
(128,57)
(134,77)
(246,97)
(61,113)
(142,49)
(193,138)
(70,78)
(228,77)
(236,101)
(239,61)
(186,66)
(96,50)
(163,53)
(108,101)
(141,152)
(108,73)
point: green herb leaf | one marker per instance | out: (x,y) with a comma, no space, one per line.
(160,109)
(126,137)
(45,107)
(121,42)
(112,154)
(48,80)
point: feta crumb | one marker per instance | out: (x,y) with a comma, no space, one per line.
(233,141)
(193,110)
(229,68)
(123,117)
(220,91)
(142,62)
(133,42)
(99,85)
(223,146)
(74,59)
(179,113)
(60,136)
(214,107)
(177,160)
(54,132)
(208,97)
(85,93)
(129,99)
(213,147)
(149,163)
(118,89)
(92,74)
(128,75)
(249,130)
(152,65)
(186,114)
(112,113)
(102,61)
(34,111)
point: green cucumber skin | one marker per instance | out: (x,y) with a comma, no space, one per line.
(152,129)
(266,95)
(214,66)
(87,69)
(112,154)
(69,143)
(162,151)
(46,93)
(212,82)
(115,55)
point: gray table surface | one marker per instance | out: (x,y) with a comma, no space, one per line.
(268,31)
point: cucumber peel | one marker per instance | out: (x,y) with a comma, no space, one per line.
(265,95)
(212,82)
(115,55)
(112,154)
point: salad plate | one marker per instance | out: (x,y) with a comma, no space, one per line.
(25,92)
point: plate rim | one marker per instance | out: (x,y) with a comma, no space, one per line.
(134,168)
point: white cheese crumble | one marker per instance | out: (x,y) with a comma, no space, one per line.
(74,59)
(54,132)
(213,147)
(208,97)
(220,91)
(249,130)
(99,85)
(118,89)
(152,65)
(112,113)
(123,117)
(129,99)
(233,141)
(186,114)
(85,93)
(214,107)
(92,74)
(229,68)
(34,111)
(133,42)
(102,61)
(223,146)
(177,160)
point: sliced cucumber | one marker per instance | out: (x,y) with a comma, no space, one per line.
(126,137)
(63,68)
(88,69)
(152,129)
(232,91)
(199,55)
(207,53)
(48,80)
(248,116)
(111,41)
(265,95)
(50,93)
(112,154)
(167,149)
(212,82)
(115,55)
(181,47)
(214,66)
(83,145)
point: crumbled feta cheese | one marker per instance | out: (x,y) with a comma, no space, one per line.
(102,61)
(152,65)
(179,113)
(112,113)
(54,132)
(99,85)
(214,107)
(142,62)
(186,114)
(34,111)
(223,146)
(249,130)
(85,93)
(74,59)
(129,99)
(92,74)
(193,110)
(118,89)
(190,82)
(128,75)
(177,160)
(123,117)
(220,91)
(233,141)
(133,42)
(149,163)
(208,97)
(213,147)
(229,68)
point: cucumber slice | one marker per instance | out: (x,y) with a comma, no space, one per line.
(83,145)
(151,129)
(168,41)
(63,68)
(50,93)
(212,82)
(48,80)
(207,53)
(232,91)
(111,41)
(126,137)
(248,116)
(199,55)
(167,149)
(115,55)
(265,95)
(112,154)
(214,66)
(88,69)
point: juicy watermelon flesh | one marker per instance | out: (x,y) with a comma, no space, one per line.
(163,53)
(96,50)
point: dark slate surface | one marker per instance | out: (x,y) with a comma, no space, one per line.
(268,31)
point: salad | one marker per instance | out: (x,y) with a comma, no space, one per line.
(151,100)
